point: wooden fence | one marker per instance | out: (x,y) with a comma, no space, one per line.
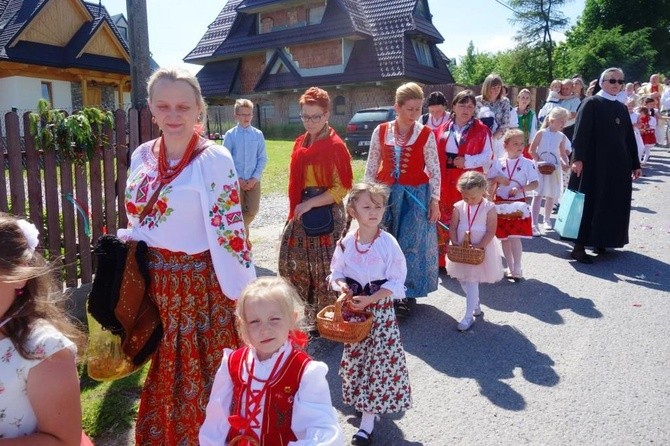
(47,190)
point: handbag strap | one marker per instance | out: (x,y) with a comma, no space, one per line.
(154,196)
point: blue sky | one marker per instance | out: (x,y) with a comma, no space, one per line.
(176,26)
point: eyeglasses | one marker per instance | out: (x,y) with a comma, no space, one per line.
(315,119)
(615,81)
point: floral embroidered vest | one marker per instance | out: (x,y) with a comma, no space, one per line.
(278,410)
(412,165)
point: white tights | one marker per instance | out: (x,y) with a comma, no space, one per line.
(512,250)
(647,153)
(535,208)
(471,297)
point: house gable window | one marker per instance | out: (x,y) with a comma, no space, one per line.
(423,53)
(310,13)
(47,93)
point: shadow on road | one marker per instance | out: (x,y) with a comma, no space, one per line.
(490,359)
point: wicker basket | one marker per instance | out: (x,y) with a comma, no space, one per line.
(466,253)
(509,215)
(337,329)
(243,440)
(546,168)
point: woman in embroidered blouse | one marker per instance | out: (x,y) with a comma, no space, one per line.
(198,258)
(492,99)
(38,372)
(464,145)
(403,155)
(320,168)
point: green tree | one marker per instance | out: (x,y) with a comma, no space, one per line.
(538,19)
(602,48)
(473,68)
(631,17)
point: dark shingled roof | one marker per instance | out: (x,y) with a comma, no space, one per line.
(381,31)
(15,15)
(217,78)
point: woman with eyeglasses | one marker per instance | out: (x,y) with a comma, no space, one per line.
(604,166)
(320,176)
(403,155)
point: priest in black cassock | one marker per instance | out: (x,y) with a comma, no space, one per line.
(604,166)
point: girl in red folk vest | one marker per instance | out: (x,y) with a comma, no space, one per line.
(464,145)
(270,392)
(510,178)
(647,129)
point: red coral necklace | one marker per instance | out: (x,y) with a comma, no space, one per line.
(363,251)
(167,173)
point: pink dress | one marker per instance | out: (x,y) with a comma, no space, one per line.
(491,269)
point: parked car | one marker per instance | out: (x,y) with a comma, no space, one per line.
(361,126)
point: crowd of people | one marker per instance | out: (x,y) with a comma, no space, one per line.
(231,366)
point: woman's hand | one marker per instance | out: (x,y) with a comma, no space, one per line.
(459,162)
(359,303)
(434,212)
(637,173)
(577,167)
(301,208)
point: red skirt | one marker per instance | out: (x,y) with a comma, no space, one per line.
(649,137)
(198,323)
(513,227)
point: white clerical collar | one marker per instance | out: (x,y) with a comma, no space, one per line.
(606,95)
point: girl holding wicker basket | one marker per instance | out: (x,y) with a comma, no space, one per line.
(369,269)
(549,149)
(474,221)
(510,178)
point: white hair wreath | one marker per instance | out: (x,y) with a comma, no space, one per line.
(30,232)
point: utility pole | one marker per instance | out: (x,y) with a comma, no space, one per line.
(138,36)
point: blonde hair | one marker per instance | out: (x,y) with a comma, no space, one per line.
(243,103)
(512,133)
(379,194)
(556,113)
(269,289)
(472,180)
(555,83)
(491,81)
(407,92)
(174,74)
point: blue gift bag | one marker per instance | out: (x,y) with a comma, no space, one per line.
(570,214)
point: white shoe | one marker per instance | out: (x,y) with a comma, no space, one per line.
(547,226)
(536,231)
(466,323)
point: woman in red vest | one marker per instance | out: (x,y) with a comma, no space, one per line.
(464,145)
(403,155)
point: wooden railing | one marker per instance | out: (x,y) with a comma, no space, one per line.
(71,205)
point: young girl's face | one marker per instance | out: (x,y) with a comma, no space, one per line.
(556,87)
(556,125)
(514,146)
(267,325)
(523,100)
(473,196)
(368,212)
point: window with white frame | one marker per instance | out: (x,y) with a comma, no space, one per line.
(423,53)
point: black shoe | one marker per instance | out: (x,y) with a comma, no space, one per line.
(401,308)
(361,438)
(599,250)
(581,256)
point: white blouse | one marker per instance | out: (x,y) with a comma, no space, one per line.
(384,260)
(524,174)
(314,421)
(17,417)
(429,156)
(483,159)
(198,211)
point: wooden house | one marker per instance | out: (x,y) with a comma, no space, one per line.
(270,51)
(69,52)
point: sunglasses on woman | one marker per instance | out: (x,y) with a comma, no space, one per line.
(615,81)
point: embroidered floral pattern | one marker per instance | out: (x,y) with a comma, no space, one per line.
(222,217)
(160,212)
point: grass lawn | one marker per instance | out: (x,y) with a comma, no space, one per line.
(112,406)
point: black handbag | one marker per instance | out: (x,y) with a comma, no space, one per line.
(318,220)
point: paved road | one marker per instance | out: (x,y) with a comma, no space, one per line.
(575,354)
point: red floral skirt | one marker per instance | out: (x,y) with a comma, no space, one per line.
(198,323)
(513,227)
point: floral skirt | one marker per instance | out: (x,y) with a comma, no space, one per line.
(305,262)
(198,323)
(374,371)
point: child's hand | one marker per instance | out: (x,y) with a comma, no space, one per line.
(513,192)
(502,180)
